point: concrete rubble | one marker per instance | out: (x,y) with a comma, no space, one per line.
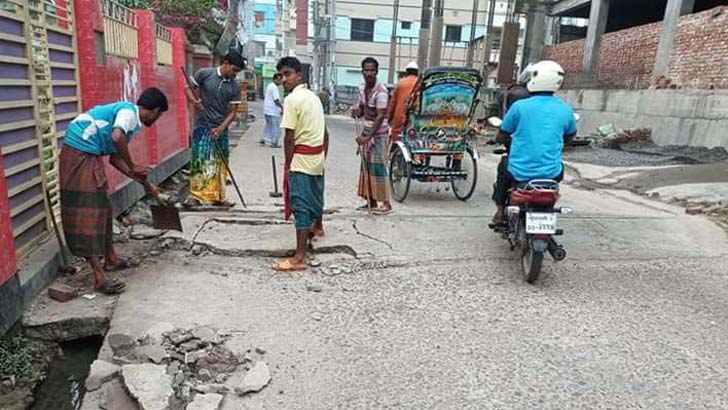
(167,365)
(255,380)
(115,397)
(206,402)
(100,373)
(50,320)
(149,384)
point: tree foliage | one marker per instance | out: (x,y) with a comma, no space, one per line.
(195,16)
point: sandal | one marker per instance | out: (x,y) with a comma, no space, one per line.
(123,264)
(112,287)
(288,266)
(382,211)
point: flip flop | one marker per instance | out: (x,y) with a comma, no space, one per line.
(123,264)
(288,266)
(382,211)
(112,287)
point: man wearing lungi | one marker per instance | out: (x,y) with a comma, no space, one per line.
(105,130)
(216,94)
(306,144)
(374,141)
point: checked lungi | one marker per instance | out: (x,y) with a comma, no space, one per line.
(85,205)
(375,175)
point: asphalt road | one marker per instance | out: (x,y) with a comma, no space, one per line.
(434,313)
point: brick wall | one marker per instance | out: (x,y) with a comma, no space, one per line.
(103,84)
(699,56)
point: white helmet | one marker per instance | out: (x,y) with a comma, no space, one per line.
(412,66)
(546,76)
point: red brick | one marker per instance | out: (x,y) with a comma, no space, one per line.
(61,292)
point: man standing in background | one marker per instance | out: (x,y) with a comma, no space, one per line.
(272,108)
(398,106)
(374,141)
(216,95)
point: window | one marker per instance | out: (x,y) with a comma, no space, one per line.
(362,30)
(406,25)
(453,33)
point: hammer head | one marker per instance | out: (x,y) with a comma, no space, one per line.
(275,194)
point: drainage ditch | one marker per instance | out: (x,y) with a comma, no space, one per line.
(64,388)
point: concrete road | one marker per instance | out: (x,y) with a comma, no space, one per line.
(430,310)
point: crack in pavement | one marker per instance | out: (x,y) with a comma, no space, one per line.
(373,238)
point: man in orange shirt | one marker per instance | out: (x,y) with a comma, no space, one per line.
(398,103)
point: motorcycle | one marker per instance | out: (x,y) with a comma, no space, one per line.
(531,223)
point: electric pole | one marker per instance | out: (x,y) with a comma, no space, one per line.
(489,35)
(437,23)
(473,25)
(393,44)
(424,41)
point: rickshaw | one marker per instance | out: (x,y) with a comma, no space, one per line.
(437,143)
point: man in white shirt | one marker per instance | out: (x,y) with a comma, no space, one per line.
(272,108)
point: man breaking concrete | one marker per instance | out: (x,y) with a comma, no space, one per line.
(86,213)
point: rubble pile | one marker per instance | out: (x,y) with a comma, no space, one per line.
(176,370)
(609,136)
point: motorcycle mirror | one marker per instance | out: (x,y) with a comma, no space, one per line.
(495,122)
(577,117)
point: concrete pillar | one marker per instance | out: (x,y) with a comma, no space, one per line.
(667,36)
(688,6)
(438,22)
(424,41)
(535,35)
(597,26)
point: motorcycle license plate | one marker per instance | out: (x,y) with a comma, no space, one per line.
(540,223)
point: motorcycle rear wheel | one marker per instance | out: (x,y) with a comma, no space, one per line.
(531,262)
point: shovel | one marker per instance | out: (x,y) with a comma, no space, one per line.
(165,217)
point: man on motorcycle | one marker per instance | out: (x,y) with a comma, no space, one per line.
(536,129)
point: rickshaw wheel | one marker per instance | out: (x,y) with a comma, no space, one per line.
(464,188)
(399,174)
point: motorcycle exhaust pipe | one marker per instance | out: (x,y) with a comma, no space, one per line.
(556,251)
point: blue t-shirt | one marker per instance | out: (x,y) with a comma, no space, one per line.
(91,131)
(538,125)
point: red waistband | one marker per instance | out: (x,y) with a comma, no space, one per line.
(308,150)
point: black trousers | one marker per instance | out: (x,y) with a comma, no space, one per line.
(504,181)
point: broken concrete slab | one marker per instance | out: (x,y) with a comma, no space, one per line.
(211,388)
(115,397)
(206,402)
(149,384)
(238,344)
(267,237)
(142,232)
(121,344)
(100,373)
(206,334)
(79,318)
(153,353)
(155,334)
(255,379)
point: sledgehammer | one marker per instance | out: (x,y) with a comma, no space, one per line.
(275,193)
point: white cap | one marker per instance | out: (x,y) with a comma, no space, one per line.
(412,66)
